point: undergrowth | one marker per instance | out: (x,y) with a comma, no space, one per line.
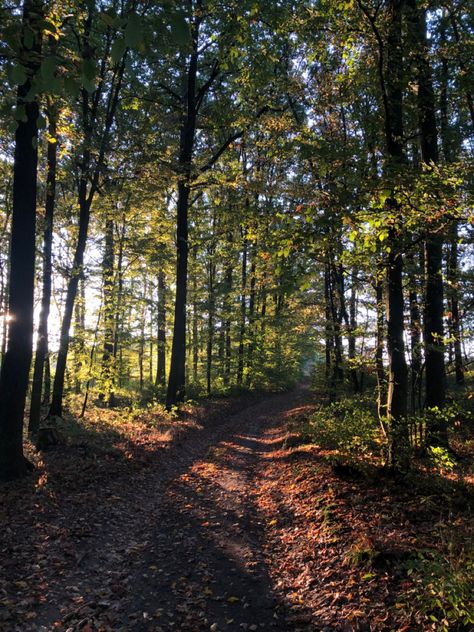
(443,588)
(439,576)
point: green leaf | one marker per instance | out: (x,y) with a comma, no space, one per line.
(133,31)
(28,39)
(368,576)
(89,68)
(18,74)
(118,49)
(179,29)
(20,113)
(88,75)
(41,122)
(109,20)
(89,84)
(71,87)
(12,126)
(48,68)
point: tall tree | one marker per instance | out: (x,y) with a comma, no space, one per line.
(16,365)
(390,69)
(90,170)
(433,246)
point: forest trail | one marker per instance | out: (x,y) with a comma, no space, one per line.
(176,546)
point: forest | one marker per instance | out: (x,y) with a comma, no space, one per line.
(236,315)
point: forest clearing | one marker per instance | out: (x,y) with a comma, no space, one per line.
(236,315)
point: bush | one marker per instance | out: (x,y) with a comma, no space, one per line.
(443,589)
(350,426)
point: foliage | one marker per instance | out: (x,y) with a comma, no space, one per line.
(349,426)
(443,593)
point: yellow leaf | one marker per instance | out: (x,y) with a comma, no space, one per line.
(233,599)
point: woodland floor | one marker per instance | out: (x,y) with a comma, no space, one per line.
(223,522)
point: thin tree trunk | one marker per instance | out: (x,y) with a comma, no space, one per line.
(453,298)
(42,340)
(108,369)
(462,65)
(141,351)
(226,317)
(379,366)
(415,343)
(79,337)
(118,326)
(86,193)
(161,322)
(329,339)
(195,332)
(397,377)
(210,322)
(243,311)
(251,317)
(351,333)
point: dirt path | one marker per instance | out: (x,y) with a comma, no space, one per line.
(177,547)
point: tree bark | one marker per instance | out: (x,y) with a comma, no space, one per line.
(42,340)
(390,65)
(453,299)
(16,365)
(251,315)
(87,188)
(435,373)
(161,322)
(397,376)
(177,375)
(415,341)
(108,368)
(243,311)
(379,366)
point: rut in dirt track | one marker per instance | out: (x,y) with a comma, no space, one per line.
(184,548)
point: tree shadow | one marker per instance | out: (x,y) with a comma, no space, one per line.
(84,516)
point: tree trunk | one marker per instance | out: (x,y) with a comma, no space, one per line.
(177,375)
(433,248)
(379,366)
(243,312)
(16,365)
(118,326)
(397,377)
(328,329)
(195,332)
(141,349)
(210,322)
(108,368)
(392,91)
(42,340)
(161,322)
(251,318)
(453,298)
(462,66)
(415,341)
(226,316)
(79,337)
(88,183)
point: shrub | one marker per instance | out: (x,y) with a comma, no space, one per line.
(443,593)
(350,426)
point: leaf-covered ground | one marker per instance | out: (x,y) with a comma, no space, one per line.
(219,520)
